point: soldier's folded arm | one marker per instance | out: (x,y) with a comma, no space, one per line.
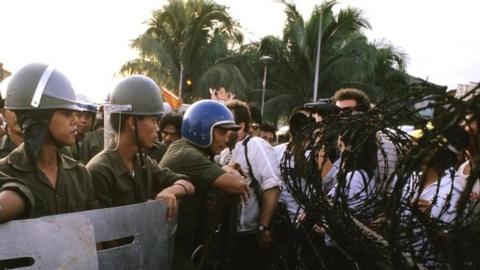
(232,183)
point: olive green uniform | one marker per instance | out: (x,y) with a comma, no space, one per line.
(6,146)
(73,191)
(12,184)
(183,157)
(115,185)
(157,151)
(91,145)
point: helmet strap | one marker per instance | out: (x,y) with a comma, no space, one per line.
(140,154)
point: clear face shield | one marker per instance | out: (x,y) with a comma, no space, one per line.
(113,115)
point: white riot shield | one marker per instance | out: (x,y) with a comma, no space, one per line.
(111,138)
(53,242)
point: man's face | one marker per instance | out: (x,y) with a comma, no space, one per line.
(84,123)
(255,129)
(12,124)
(267,136)
(232,137)
(346,104)
(470,125)
(170,134)
(63,126)
(147,131)
(220,140)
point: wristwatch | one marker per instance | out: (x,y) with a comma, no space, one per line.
(262,228)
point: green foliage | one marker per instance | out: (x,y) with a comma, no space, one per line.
(202,36)
(193,33)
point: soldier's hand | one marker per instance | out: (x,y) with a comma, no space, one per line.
(231,168)
(264,240)
(171,201)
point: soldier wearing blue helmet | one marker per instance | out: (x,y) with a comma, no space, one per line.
(205,126)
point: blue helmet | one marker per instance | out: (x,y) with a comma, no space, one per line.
(200,119)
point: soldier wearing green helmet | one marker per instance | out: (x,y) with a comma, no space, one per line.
(122,173)
(45,104)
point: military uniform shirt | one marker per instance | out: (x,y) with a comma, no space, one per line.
(17,186)
(92,144)
(115,185)
(183,157)
(6,146)
(157,151)
(73,191)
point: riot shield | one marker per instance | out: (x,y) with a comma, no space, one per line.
(53,242)
(145,235)
(142,235)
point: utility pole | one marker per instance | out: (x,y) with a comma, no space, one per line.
(317,63)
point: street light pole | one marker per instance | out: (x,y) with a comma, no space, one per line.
(180,83)
(264,59)
(317,63)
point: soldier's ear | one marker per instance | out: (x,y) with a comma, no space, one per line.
(131,122)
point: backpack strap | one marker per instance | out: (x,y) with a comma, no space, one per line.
(253,181)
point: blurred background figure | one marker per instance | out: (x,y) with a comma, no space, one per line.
(268,133)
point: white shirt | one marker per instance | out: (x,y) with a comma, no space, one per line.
(461,178)
(265,169)
(441,191)
(357,190)
(285,196)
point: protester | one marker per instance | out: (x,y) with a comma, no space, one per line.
(268,133)
(257,157)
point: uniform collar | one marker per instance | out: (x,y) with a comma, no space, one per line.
(18,158)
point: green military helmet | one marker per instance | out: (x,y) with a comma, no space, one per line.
(38,86)
(141,93)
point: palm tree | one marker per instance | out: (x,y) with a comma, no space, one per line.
(345,56)
(193,33)
(347,59)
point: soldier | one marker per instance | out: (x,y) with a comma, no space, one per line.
(204,129)
(86,117)
(122,173)
(14,136)
(45,105)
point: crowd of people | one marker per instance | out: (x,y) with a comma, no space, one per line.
(347,188)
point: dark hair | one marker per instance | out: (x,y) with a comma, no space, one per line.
(361,153)
(445,156)
(241,112)
(115,119)
(267,127)
(363,101)
(36,115)
(298,121)
(255,113)
(171,118)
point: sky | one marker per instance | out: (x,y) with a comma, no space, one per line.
(89,40)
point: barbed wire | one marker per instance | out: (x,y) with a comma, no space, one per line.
(371,212)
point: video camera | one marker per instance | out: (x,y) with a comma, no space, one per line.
(323,106)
